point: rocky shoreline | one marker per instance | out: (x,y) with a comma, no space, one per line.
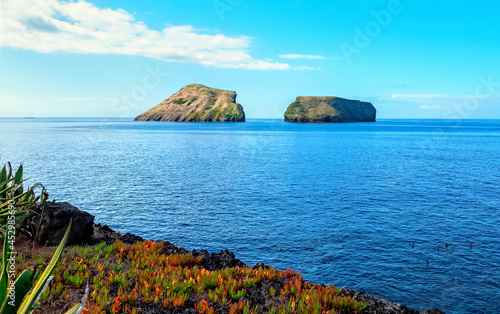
(46,223)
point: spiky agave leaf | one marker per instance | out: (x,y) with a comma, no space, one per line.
(22,202)
(4,277)
(3,181)
(18,180)
(29,301)
(21,289)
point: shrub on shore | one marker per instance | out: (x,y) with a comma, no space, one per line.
(15,200)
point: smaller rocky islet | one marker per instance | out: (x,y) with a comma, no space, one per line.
(199,103)
(329,109)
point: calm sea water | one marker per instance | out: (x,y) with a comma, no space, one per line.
(339,203)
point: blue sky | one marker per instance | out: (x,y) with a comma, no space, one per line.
(411,59)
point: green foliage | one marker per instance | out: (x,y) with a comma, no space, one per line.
(15,200)
(180,101)
(16,298)
(293,110)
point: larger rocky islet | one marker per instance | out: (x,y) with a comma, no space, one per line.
(197,103)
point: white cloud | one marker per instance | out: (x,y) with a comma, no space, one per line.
(432,98)
(300,56)
(427,107)
(306,68)
(49,26)
(75,99)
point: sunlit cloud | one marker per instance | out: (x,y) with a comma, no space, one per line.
(53,26)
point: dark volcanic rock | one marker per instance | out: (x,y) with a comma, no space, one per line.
(103,233)
(130,238)
(217,261)
(47,224)
(211,261)
(329,109)
(260,265)
(169,249)
(380,306)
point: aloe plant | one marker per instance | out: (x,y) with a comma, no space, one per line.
(25,301)
(15,201)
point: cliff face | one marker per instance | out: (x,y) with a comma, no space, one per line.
(197,103)
(329,109)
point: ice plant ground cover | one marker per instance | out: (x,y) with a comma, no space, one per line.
(140,278)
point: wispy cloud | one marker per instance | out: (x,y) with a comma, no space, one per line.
(75,99)
(300,56)
(426,98)
(306,68)
(439,101)
(419,97)
(428,107)
(6,98)
(49,26)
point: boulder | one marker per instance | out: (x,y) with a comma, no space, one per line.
(197,103)
(217,261)
(329,109)
(48,225)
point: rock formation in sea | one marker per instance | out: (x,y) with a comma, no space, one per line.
(197,103)
(329,109)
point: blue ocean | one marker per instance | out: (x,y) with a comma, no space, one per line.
(339,203)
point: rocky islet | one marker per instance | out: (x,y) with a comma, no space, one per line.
(197,103)
(329,109)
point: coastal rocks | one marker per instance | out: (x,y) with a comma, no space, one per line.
(380,306)
(257,294)
(48,225)
(217,261)
(103,233)
(329,109)
(197,103)
(211,261)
